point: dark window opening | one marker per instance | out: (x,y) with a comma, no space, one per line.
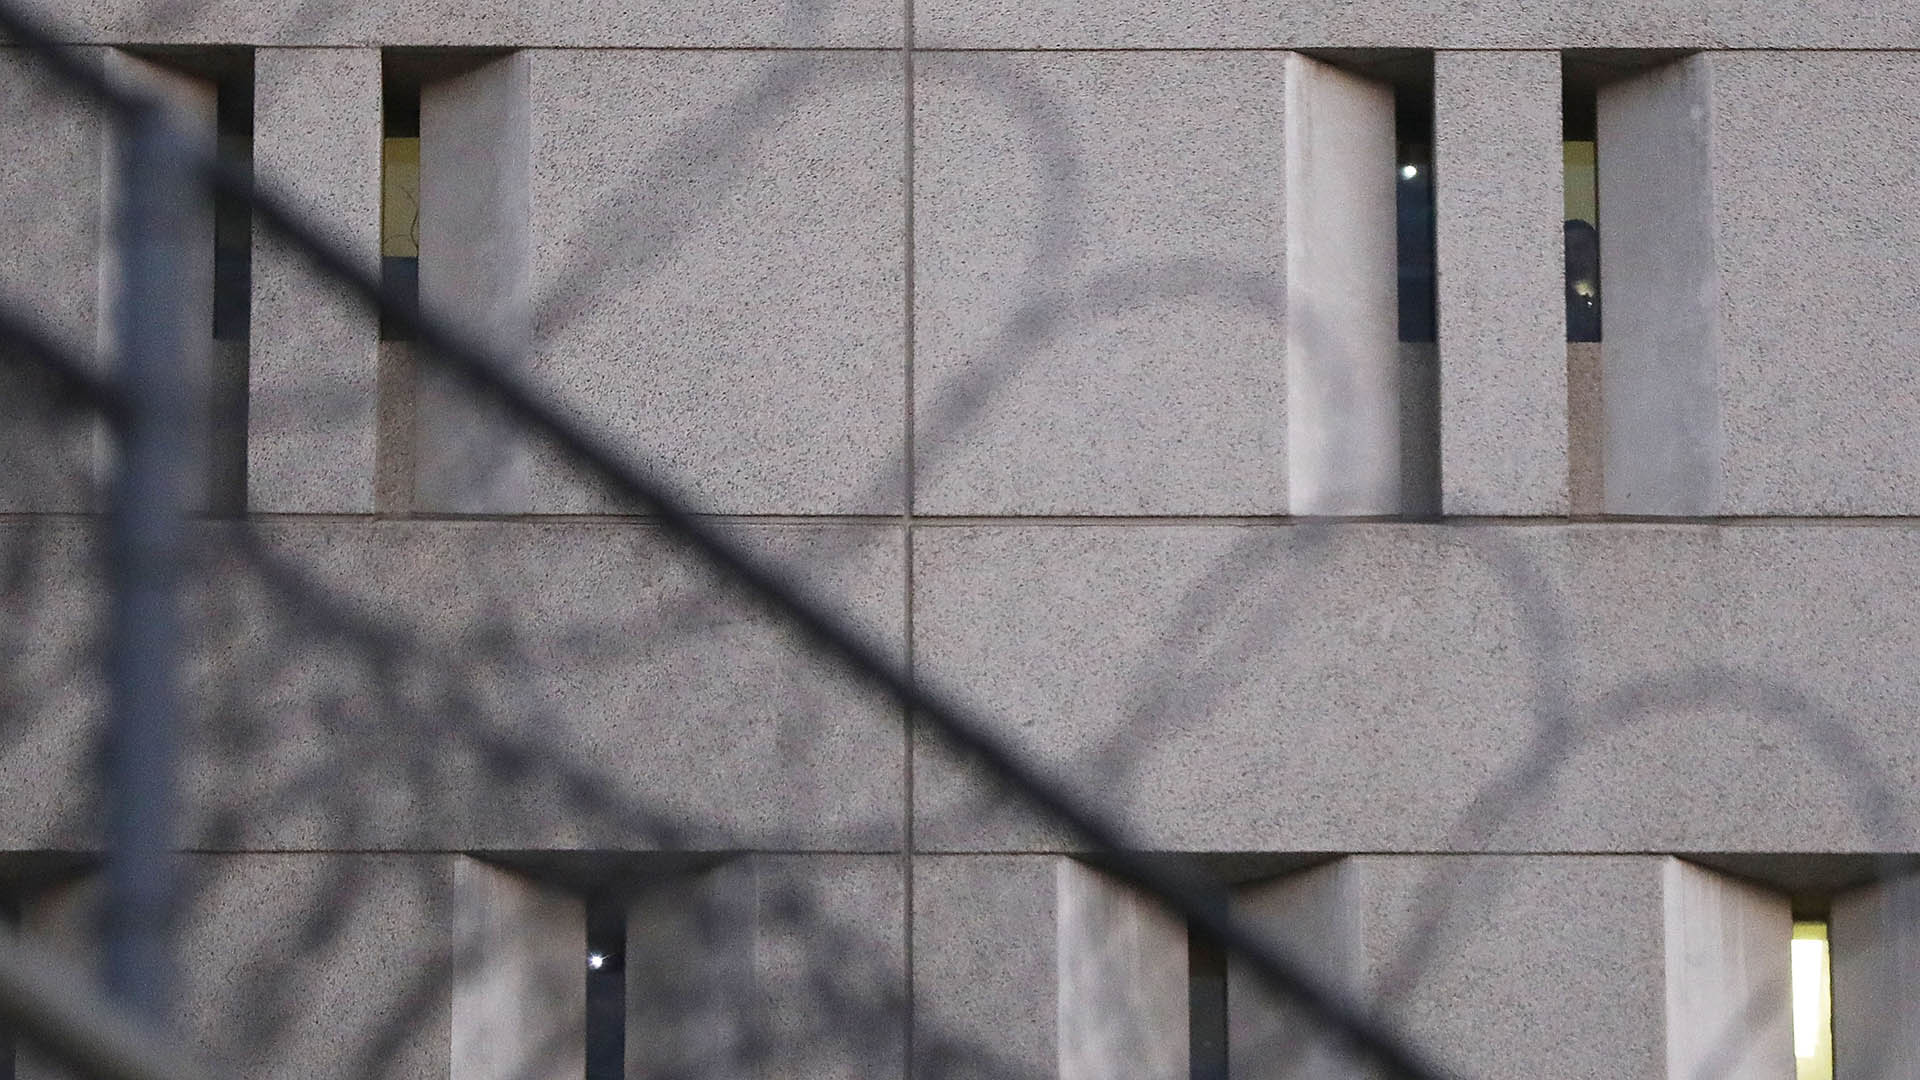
(1206,1007)
(606,972)
(399,198)
(1413,138)
(232,222)
(1580,153)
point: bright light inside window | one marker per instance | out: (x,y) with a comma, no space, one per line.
(1812,1003)
(596,961)
(1408,172)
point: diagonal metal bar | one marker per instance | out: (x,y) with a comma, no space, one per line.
(1202,905)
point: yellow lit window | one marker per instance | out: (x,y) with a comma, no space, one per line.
(1812,1003)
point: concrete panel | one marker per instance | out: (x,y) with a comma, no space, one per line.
(314,352)
(1874,934)
(1780,24)
(50,209)
(718,269)
(310,965)
(1609,688)
(769,966)
(1662,384)
(575,23)
(519,984)
(1586,429)
(1728,983)
(1122,997)
(1343,366)
(1501,265)
(191,101)
(984,966)
(1042,966)
(1505,967)
(475,251)
(1813,182)
(1099,252)
(1141,24)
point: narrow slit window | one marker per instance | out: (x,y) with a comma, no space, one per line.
(1580,154)
(1415,247)
(606,988)
(400,199)
(1206,1007)
(1812,1002)
(232,293)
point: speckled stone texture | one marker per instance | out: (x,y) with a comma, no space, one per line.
(50,209)
(1099,253)
(1038,965)
(1727,954)
(768,967)
(519,994)
(1142,24)
(567,686)
(1495,966)
(719,272)
(1661,430)
(563,23)
(1872,934)
(1384,687)
(1502,271)
(475,271)
(1817,235)
(313,350)
(305,965)
(1343,366)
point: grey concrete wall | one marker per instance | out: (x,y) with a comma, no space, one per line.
(1501,270)
(50,208)
(192,102)
(307,965)
(310,430)
(1813,199)
(1122,997)
(1386,687)
(1099,252)
(1660,274)
(769,966)
(1728,976)
(475,270)
(519,977)
(1343,364)
(1499,966)
(1875,942)
(730,286)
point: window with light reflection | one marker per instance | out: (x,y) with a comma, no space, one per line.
(1812,1002)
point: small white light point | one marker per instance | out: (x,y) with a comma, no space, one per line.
(596,961)
(1408,172)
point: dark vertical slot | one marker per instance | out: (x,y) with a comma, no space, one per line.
(399,197)
(1413,136)
(1580,115)
(1206,1007)
(606,988)
(1418,289)
(9,925)
(232,293)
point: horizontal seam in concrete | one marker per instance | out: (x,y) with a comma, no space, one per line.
(1034,520)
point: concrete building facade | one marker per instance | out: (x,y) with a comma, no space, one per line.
(1529,688)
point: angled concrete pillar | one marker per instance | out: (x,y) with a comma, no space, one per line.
(768,966)
(1660,381)
(310,425)
(50,213)
(1039,965)
(1501,266)
(192,101)
(519,977)
(1497,966)
(1343,354)
(475,266)
(1728,978)
(1875,939)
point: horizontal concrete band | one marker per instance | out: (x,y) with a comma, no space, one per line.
(1231,688)
(1505,24)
